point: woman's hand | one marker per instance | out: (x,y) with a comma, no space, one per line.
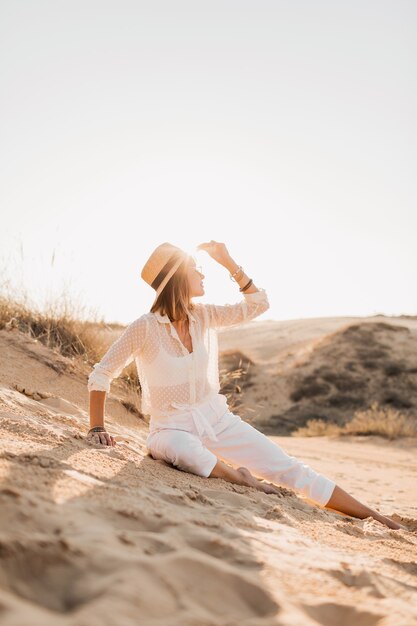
(98,438)
(217,251)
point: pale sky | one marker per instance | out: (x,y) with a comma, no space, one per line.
(286,129)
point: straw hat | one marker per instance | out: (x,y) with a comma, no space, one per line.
(162,265)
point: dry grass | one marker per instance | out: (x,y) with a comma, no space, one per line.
(58,324)
(317,428)
(58,327)
(385,422)
(231,386)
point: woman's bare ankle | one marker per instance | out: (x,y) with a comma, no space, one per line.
(248,480)
(221,470)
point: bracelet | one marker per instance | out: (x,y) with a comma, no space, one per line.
(232,276)
(97,429)
(246,286)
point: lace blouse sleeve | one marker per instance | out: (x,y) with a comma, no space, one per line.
(253,305)
(118,356)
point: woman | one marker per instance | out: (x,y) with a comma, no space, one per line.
(191,427)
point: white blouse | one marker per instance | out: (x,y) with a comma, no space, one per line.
(172,379)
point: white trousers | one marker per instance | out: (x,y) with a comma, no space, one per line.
(238,443)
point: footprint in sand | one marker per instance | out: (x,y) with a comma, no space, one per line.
(236,509)
(217,547)
(331,614)
(409,567)
(132,520)
(360,579)
(229,498)
(48,574)
(145,542)
(217,587)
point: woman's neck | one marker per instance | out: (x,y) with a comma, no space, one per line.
(180,324)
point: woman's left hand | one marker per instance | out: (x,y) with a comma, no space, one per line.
(216,250)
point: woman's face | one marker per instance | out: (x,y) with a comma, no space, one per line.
(195,279)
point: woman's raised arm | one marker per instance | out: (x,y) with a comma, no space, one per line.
(254,303)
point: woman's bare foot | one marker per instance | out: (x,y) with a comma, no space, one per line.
(250,481)
(343,502)
(390,523)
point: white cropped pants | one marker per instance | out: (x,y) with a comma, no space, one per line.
(190,446)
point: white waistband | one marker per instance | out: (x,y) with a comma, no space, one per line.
(203,414)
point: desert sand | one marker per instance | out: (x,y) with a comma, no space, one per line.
(103,536)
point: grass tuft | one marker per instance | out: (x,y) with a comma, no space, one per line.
(376,420)
(57,327)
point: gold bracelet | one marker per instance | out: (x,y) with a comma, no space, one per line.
(232,276)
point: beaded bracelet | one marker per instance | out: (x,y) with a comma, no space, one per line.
(97,429)
(232,276)
(246,286)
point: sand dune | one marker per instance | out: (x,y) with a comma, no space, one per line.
(110,536)
(325,368)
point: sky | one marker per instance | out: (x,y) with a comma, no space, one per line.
(285,129)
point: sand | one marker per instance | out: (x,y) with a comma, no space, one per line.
(324,368)
(103,536)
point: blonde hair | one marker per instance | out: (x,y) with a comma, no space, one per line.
(174,300)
